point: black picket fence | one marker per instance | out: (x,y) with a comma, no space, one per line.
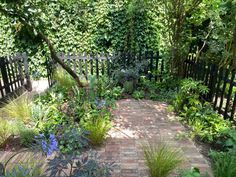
(14,76)
(153,66)
(220,81)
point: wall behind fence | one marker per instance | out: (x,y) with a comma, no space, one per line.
(221,82)
(105,64)
(14,76)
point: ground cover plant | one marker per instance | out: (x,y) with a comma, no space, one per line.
(224,163)
(203,120)
(193,172)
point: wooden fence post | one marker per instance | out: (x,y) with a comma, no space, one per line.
(212,82)
(3,67)
(156,66)
(229,94)
(27,75)
(151,66)
(162,70)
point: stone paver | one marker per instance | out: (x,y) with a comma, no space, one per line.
(136,122)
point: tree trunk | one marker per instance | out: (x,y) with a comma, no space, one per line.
(59,60)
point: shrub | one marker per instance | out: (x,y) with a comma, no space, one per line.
(5,130)
(161,159)
(138,94)
(224,163)
(19,109)
(206,122)
(71,139)
(230,140)
(114,93)
(90,166)
(27,136)
(97,130)
(189,94)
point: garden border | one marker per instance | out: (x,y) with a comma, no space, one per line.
(220,81)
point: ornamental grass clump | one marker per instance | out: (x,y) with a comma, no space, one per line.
(19,109)
(161,159)
(97,130)
(5,130)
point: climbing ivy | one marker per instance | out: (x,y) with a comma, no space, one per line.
(82,26)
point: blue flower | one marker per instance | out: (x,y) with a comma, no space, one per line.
(49,145)
(44,145)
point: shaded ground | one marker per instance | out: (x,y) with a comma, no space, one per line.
(136,122)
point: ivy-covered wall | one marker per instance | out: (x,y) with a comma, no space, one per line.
(83,26)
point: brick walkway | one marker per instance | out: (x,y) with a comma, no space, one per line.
(136,122)
(141,121)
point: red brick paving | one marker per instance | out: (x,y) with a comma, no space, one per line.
(136,122)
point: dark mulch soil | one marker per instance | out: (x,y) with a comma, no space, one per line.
(11,144)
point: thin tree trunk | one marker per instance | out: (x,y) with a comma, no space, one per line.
(59,60)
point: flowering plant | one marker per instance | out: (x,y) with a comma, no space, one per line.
(48,145)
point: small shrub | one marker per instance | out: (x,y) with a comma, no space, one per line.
(193,172)
(89,166)
(224,163)
(206,123)
(19,109)
(161,159)
(71,139)
(5,130)
(189,94)
(138,94)
(97,124)
(27,136)
(114,93)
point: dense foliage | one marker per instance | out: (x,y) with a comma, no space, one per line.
(173,27)
(70,119)
(66,119)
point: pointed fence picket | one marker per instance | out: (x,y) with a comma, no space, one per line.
(14,76)
(221,82)
(103,64)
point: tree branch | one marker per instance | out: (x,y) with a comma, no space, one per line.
(47,41)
